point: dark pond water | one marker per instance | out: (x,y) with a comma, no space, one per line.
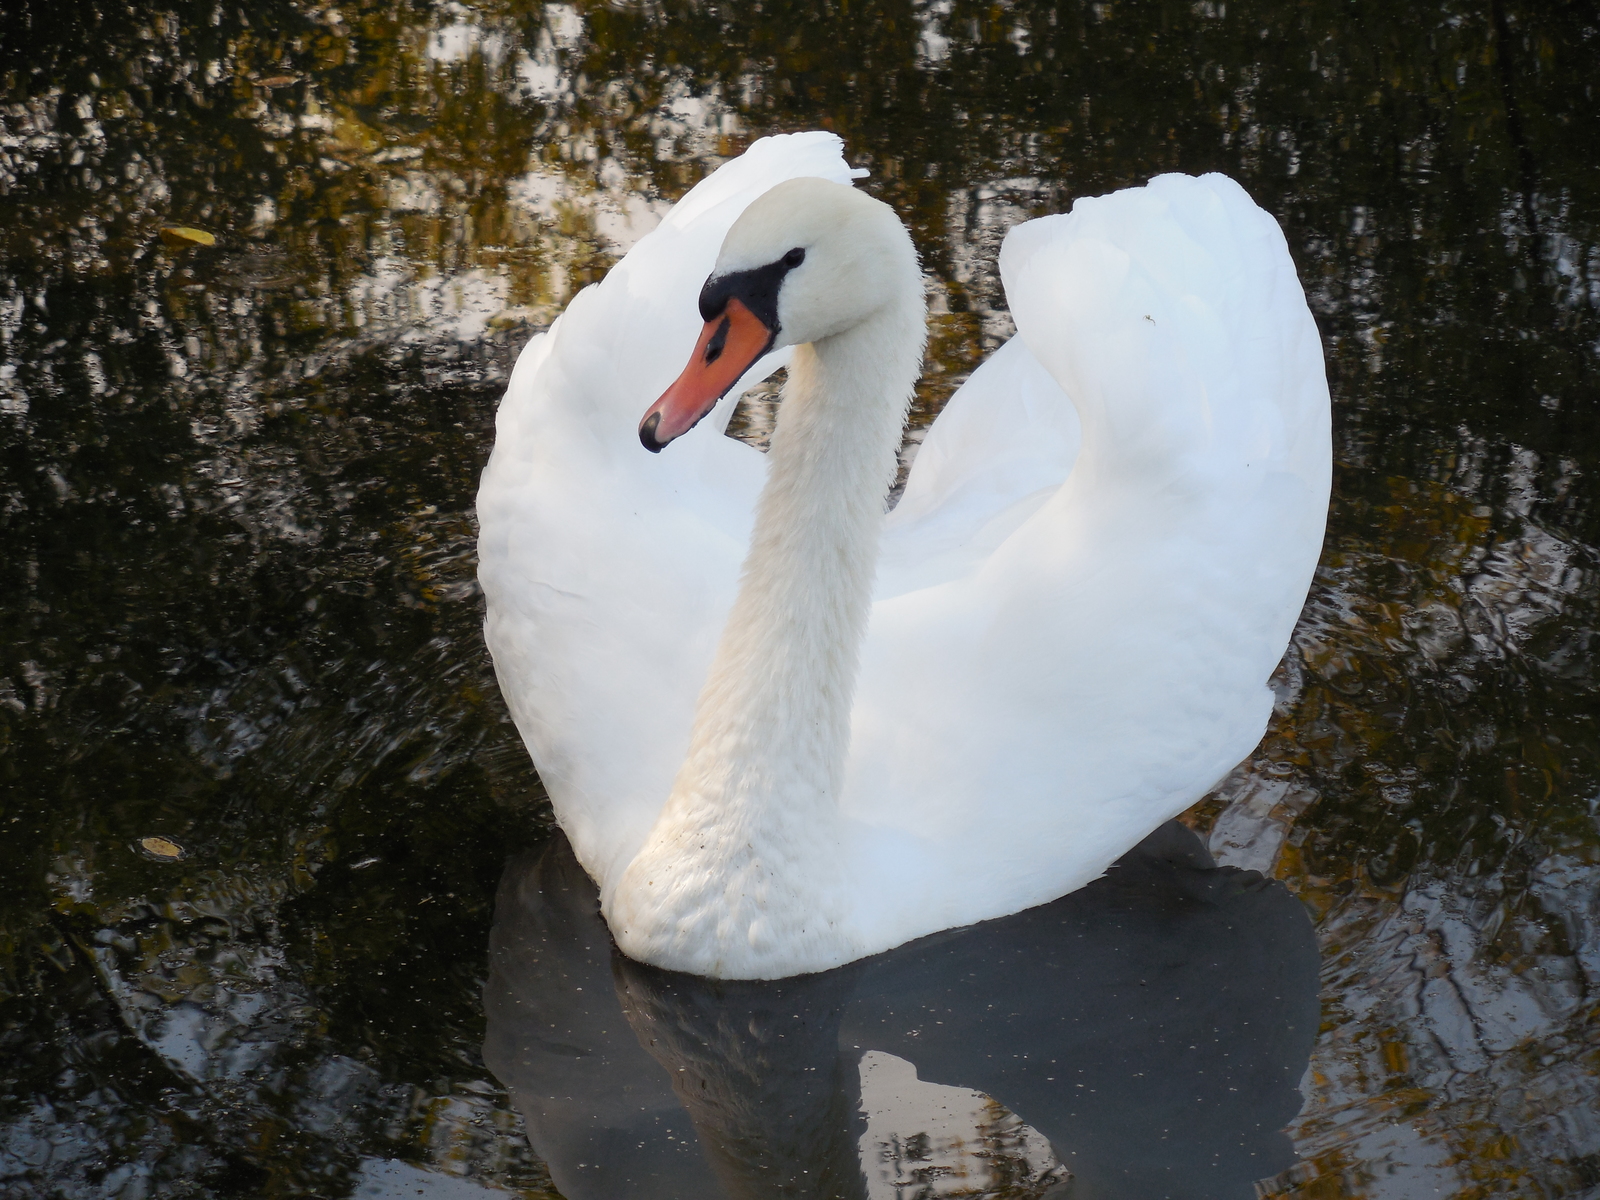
(239,614)
(1152,1027)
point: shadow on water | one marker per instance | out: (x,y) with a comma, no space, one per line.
(1141,1038)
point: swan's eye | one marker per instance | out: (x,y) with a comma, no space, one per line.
(794,258)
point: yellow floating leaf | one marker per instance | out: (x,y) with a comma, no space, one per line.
(185,235)
(160,847)
(278,81)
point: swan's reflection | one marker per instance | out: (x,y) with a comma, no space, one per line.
(1140,1038)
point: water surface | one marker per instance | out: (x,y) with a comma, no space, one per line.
(1140,1038)
(236,539)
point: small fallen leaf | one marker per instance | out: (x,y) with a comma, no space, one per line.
(185,235)
(161,848)
(278,81)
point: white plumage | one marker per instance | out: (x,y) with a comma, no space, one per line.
(1077,604)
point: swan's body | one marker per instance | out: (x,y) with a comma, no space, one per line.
(1052,651)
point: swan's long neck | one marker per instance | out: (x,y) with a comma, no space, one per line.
(743,863)
(776,705)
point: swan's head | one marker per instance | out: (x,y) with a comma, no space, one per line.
(807,260)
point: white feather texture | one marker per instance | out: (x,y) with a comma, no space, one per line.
(1074,612)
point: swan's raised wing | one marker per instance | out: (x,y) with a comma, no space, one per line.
(609,571)
(1003,443)
(1057,662)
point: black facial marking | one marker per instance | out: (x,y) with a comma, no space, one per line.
(718,342)
(757,288)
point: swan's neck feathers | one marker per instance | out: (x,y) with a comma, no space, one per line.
(740,878)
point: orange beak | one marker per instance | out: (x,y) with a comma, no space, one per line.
(729,345)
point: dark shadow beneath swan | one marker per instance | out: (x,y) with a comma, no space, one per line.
(1141,1038)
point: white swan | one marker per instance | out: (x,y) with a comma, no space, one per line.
(1052,650)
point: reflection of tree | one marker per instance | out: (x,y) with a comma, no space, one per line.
(235,620)
(981,1151)
(1441,854)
